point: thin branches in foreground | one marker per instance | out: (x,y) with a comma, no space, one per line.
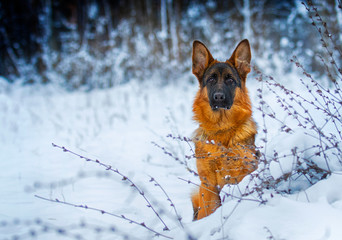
(132,184)
(179,218)
(123,217)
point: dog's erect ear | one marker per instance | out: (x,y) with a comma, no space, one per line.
(201,58)
(241,58)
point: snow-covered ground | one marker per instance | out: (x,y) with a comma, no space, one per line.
(118,127)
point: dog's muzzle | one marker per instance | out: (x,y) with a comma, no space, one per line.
(220,100)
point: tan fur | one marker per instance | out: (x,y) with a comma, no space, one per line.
(224,143)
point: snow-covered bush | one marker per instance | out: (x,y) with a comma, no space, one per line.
(307,147)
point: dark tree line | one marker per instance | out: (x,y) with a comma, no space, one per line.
(138,39)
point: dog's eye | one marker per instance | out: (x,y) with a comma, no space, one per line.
(228,79)
(212,78)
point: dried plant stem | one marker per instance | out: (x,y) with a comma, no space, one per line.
(124,178)
(104,212)
(227,194)
(179,218)
(177,159)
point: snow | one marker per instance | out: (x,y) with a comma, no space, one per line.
(117,126)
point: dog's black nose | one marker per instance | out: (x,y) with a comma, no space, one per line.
(219,97)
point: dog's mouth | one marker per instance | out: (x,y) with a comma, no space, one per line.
(216,107)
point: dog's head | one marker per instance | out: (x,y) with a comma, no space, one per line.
(221,79)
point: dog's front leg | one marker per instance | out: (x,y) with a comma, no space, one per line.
(208,200)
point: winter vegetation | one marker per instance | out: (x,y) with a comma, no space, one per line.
(96,119)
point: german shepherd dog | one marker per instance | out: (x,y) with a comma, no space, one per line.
(224,140)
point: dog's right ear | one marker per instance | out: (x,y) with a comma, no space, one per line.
(201,58)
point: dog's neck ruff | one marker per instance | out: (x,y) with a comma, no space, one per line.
(225,126)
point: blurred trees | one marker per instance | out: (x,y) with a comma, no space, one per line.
(102,43)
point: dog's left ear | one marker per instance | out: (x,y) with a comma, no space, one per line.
(241,58)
